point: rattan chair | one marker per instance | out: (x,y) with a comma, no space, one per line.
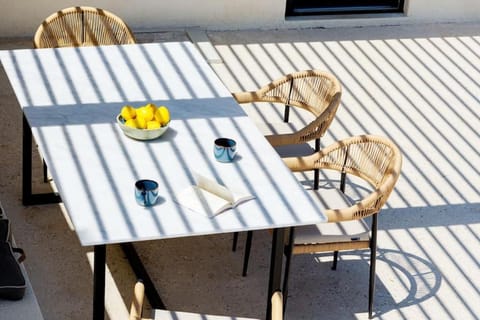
(82,26)
(139,296)
(315,91)
(375,162)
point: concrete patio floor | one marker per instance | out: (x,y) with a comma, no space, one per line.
(418,85)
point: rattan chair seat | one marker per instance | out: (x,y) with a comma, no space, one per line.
(331,233)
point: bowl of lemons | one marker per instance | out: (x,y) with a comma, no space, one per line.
(146,122)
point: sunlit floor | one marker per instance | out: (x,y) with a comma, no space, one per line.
(417,85)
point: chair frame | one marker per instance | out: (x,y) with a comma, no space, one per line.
(82,26)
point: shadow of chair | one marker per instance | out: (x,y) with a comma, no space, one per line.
(82,26)
(139,297)
(377,162)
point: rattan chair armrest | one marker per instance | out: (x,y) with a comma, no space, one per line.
(277,305)
(305,163)
(364,208)
(245,97)
(283,139)
(137,301)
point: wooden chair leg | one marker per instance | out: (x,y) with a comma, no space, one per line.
(137,301)
(248,245)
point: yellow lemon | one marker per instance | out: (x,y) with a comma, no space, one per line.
(141,122)
(153,124)
(152,107)
(162,115)
(128,112)
(131,123)
(145,112)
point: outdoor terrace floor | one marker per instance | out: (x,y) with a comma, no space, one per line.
(418,85)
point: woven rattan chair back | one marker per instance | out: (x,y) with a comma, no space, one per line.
(374,159)
(82,26)
(316,91)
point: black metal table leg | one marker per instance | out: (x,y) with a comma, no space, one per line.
(276,266)
(26,161)
(27,197)
(141,273)
(99,260)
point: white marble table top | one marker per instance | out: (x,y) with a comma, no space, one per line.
(71,97)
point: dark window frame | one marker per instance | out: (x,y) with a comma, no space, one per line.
(329,7)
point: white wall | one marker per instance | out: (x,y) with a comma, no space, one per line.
(22,17)
(451,10)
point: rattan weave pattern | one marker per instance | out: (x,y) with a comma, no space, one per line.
(316,91)
(375,159)
(82,26)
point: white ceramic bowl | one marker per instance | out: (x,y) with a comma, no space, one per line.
(140,134)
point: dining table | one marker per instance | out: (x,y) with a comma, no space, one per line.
(70,98)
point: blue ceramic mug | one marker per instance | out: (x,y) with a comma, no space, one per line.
(146,192)
(225,149)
